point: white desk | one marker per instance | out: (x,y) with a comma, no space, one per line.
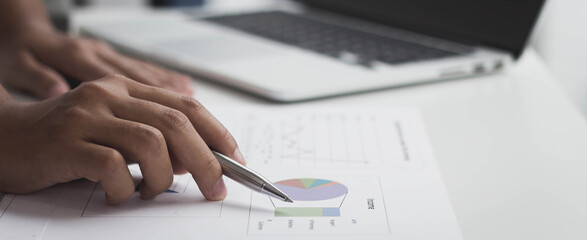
(511,148)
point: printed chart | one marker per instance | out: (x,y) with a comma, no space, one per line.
(353,205)
(352,173)
(326,139)
(312,198)
(183,199)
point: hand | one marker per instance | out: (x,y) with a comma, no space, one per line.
(31,57)
(96,129)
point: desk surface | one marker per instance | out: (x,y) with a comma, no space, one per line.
(511,147)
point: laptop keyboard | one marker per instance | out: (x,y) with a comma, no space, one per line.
(343,43)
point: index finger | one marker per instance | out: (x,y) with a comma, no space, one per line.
(210,129)
(183,141)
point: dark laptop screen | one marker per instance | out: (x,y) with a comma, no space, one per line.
(502,24)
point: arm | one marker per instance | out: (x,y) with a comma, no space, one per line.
(34,56)
(17,15)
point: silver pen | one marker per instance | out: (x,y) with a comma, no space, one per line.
(249,178)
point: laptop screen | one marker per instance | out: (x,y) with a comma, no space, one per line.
(501,24)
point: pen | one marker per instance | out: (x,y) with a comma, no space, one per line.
(249,178)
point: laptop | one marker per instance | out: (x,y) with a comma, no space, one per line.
(308,49)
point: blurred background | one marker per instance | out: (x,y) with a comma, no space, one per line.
(559,37)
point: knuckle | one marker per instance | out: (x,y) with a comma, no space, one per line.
(77,47)
(94,89)
(81,57)
(79,43)
(191,104)
(119,80)
(150,137)
(175,119)
(116,77)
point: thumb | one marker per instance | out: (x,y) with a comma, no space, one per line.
(31,76)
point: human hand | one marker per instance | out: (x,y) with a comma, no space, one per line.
(31,57)
(96,129)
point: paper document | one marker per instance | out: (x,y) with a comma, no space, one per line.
(352,173)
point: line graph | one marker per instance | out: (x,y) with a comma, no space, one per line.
(325,138)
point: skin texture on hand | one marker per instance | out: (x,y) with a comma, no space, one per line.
(95,130)
(32,54)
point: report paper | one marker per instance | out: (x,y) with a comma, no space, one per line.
(352,173)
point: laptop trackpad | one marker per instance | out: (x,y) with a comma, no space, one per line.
(219,49)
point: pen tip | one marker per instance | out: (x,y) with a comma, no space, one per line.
(288,200)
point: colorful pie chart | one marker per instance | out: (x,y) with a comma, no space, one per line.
(311,189)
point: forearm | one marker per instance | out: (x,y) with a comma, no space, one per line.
(19,15)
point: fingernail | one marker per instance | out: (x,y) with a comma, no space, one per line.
(219,190)
(238,156)
(57,90)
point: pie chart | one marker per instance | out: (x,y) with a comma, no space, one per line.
(312,197)
(311,189)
